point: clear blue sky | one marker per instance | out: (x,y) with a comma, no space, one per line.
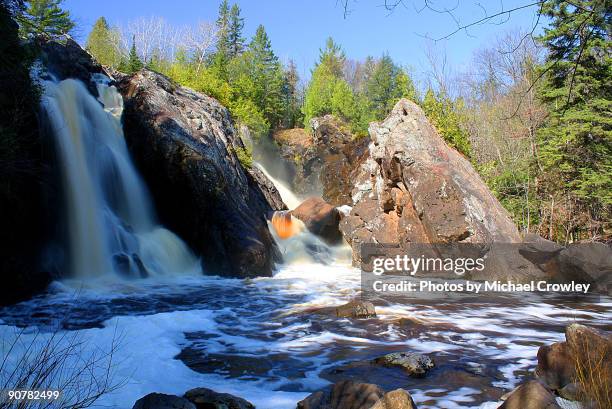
(299,28)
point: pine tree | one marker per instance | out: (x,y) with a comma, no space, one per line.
(134,63)
(268,75)
(291,93)
(333,57)
(575,145)
(45,17)
(221,57)
(103,43)
(234,35)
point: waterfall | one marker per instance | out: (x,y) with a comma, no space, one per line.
(112,228)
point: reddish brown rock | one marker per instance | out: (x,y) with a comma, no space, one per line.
(356,309)
(320,218)
(414,188)
(555,365)
(354,395)
(531,395)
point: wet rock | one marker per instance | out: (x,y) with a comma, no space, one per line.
(538,250)
(356,309)
(162,401)
(204,398)
(569,391)
(587,263)
(185,145)
(413,188)
(414,364)
(555,365)
(354,395)
(320,218)
(530,395)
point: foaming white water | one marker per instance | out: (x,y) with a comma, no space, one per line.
(111,222)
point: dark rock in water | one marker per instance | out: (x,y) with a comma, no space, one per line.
(204,398)
(586,263)
(67,59)
(538,250)
(555,365)
(415,364)
(162,401)
(356,309)
(184,143)
(531,395)
(353,395)
(320,218)
(325,159)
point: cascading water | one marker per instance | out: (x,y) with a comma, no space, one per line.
(111,223)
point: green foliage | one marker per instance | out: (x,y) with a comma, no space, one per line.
(245,156)
(575,145)
(234,36)
(103,43)
(444,114)
(386,84)
(133,63)
(45,17)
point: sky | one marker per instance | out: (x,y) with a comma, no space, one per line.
(298,29)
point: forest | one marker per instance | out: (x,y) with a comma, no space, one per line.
(532,112)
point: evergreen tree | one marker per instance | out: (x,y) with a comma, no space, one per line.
(134,63)
(45,17)
(333,57)
(222,55)
(234,36)
(291,93)
(268,75)
(575,145)
(103,43)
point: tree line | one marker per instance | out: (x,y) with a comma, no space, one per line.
(532,113)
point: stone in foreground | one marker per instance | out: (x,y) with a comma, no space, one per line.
(204,398)
(356,309)
(162,401)
(417,365)
(354,395)
(531,395)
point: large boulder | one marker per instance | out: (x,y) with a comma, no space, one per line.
(414,188)
(204,398)
(586,263)
(320,218)
(354,395)
(162,401)
(186,146)
(531,395)
(324,158)
(555,365)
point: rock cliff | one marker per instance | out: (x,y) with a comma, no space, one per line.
(414,188)
(184,143)
(325,159)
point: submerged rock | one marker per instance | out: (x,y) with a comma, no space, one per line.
(414,364)
(185,145)
(162,401)
(204,398)
(354,395)
(530,395)
(356,309)
(320,218)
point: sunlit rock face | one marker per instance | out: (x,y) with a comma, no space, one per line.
(185,145)
(415,188)
(324,159)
